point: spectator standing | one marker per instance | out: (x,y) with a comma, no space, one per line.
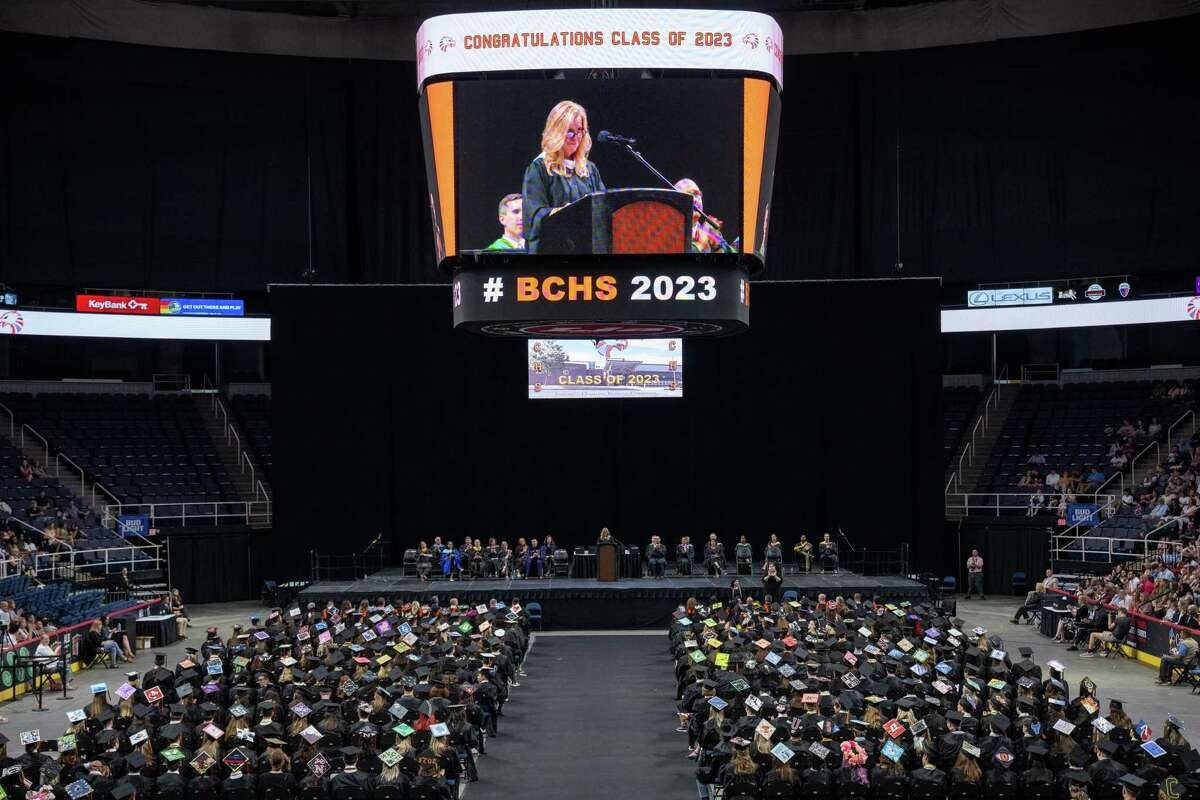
(975,575)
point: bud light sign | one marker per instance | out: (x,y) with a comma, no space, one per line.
(1083,513)
(133,525)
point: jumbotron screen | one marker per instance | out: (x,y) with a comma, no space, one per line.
(605,368)
(542,157)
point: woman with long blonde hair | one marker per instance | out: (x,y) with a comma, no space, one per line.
(561,173)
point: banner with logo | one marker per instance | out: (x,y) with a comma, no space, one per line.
(1083,513)
(116,304)
(192,307)
(741,41)
(1013,296)
(133,525)
(1071,315)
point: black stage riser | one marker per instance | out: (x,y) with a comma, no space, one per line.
(570,604)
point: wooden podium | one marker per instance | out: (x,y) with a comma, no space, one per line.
(607,561)
(621,221)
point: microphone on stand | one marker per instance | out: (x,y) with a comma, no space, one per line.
(845,537)
(605,136)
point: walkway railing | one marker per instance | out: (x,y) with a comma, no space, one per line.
(220,512)
(997,504)
(78,562)
(1109,550)
(978,431)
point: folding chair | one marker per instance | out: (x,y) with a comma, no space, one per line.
(1115,648)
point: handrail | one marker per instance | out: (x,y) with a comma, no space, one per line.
(1179,421)
(88,622)
(1134,460)
(58,471)
(1057,548)
(1118,474)
(994,502)
(45,443)
(258,487)
(953,479)
(215,510)
(1132,614)
(970,446)
(12,422)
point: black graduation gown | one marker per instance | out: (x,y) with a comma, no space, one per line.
(928,775)
(350,779)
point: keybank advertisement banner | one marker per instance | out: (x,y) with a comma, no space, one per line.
(1014,296)
(645,38)
(116,304)
(190,307)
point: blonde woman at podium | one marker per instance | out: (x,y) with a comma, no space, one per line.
(561,173)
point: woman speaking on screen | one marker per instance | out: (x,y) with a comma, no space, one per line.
(561,173)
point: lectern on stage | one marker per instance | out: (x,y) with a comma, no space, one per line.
(621,221)
(606,561)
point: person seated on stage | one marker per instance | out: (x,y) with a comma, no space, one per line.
(771,580)
(504,561)
(477,562)
(829,554)
(804,552)
(509,212)
(743,556)
(684,553)
(773,554)
(519,552)
(1033,601)
(533,558)
(548,548)
(491,557)
(656,557)
(714,556)
(451,561)
(437,548)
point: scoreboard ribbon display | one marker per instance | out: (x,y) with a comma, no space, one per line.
(661,301)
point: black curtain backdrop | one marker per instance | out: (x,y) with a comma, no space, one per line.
(1006,544)
(1069,155)
(388,421)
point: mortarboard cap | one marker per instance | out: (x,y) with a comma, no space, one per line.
(122,790)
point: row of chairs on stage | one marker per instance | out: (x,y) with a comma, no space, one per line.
(558,564)
(483,566)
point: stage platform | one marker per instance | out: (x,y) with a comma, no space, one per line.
(575,603)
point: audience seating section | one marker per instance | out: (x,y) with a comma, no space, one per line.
(143,449)
(1067,425)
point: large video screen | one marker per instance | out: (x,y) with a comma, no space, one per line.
(544,167)
(621,368)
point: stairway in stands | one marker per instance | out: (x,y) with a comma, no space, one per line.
(230,441)
(972,467)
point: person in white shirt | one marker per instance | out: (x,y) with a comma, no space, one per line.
(1052,478)
(5,615)
(1050,582)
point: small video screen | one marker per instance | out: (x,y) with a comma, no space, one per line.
(605,368)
